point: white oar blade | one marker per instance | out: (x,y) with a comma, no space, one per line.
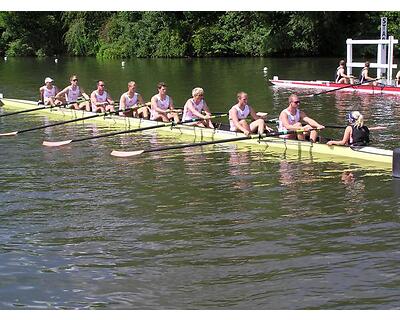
(377,128)
(56,143)
(9,133)
(123,154)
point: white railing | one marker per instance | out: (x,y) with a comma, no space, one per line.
(380,64)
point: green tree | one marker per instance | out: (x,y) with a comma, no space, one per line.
(31,33)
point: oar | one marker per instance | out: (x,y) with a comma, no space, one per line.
(334,126)
(39,108)
(13,133)
(191,145)
(260,114)
(165,124)
(336,89)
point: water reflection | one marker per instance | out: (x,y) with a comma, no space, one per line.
(239,168)
(195,160)
(355,190)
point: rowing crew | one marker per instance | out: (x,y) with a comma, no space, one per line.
(196,108)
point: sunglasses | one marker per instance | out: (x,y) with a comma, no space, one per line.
(296,102)
(74,79)
(101,85)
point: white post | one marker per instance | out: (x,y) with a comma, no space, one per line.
(349,59)
(390,60)
(379,61)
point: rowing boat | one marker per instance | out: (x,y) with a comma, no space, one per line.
(328,85)
(364,156)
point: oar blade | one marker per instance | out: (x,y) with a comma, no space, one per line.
(56,143)
(377,128)
(124,154)
(14,133)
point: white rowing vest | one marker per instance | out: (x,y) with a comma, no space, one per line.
(292,119)
(101,97)
(73,95)
(162,104)
(187,114)
(129,102)
(48,93)
(241,114)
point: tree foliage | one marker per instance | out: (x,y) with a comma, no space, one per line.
(181,34)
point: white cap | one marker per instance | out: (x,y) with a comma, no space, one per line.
(48,79)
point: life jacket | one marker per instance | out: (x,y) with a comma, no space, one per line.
(359,136)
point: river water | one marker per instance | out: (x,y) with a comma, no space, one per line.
(217,227)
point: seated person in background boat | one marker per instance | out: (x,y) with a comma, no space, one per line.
(71,94)
(355,134)
(238,114)
(133,102)
(193,109)
(364,77)
(291,119)
(100,99)
(162,106)
(397,79)
(341,76)
(48,93)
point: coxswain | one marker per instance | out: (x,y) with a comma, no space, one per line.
(355,134)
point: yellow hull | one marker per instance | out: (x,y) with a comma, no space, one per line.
(365,156)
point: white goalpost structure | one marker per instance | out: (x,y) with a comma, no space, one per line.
(384,63)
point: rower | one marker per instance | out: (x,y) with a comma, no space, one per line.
(194,107)
(397,84)
(341,76)
(364,77)
(100,99)
(48,93)
(162,106)
(72,93)
(133,101)
(291,119)
(355,134)
(238,114)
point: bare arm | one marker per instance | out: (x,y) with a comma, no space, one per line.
(84,94)
(93,99)
(109,99)
(233,116)
(254,114)
(171,104)
(345,140)
(41,91)
(62,92)
(140,99)
(206,109)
